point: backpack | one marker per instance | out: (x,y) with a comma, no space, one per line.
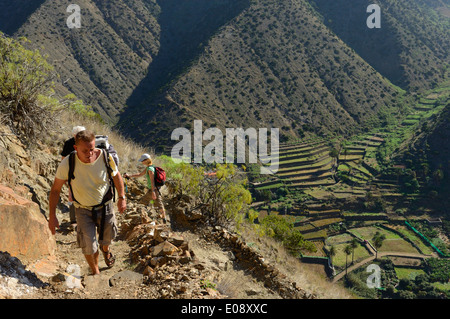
(160,177)
(101,141)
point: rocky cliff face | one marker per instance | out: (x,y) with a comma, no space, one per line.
(24,230)
(29,171)
(25,179)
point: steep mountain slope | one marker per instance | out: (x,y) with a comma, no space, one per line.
(14,13)
(153,65)
(103,61)
(411,48)
(274,65)
(185,28)
(427,155)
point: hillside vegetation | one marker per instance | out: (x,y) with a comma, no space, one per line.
(274,65)
(308,67)
(157,59)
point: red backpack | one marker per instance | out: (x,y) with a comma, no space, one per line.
(160,177)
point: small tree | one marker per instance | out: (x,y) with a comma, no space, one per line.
(378,239)
(331,253)
(24,76)
(224,196)
(348,251)
(354,245)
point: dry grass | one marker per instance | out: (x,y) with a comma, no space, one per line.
(230,285)
(310,277)
(129,152)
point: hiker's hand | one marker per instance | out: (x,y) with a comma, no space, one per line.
(126,176)
(154,195)
(53,223)
(121,205)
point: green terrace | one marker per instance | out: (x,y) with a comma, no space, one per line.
(315,167)
(309,164)
(303,164)
(355,175)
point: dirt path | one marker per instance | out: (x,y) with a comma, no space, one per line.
(81,284)
(380,254)
(213,266)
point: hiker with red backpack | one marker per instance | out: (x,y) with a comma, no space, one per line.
(92,176)
(155,179)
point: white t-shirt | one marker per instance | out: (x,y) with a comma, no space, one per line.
(91,179)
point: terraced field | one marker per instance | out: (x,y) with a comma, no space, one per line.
(310,167)
(329,185)
(302,165)
(308,164)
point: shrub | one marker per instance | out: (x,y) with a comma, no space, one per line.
(80,108)
(279,228)
(223,197)
(439,269)
(24,76)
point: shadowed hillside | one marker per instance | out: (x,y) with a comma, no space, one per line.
(185,29)
(103,61)
(13,14)
(410,47)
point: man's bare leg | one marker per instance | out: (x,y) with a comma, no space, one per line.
(92,260)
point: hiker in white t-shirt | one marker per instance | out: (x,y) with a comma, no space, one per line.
(92,195)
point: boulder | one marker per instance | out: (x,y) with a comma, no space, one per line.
(126,277)
(163,249)
(24,231)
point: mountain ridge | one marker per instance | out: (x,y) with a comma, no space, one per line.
(148,67)
(261,80)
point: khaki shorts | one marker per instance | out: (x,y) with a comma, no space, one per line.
(147,199)
(87,229)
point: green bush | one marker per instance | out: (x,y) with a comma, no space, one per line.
(24,76)
(80,108)
(283,231)
(438,269)
(222,198)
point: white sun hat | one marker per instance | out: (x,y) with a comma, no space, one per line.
(77,129)
(144,157)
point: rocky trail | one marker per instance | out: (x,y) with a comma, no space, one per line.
(185,258)
(153,261)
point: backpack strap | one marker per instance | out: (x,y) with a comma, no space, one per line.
(110,194)
(154,174)
(106,158)
(71,175)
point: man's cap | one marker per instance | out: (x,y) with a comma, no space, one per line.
(77,129)
(144,157)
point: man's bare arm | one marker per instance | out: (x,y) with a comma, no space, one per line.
(53,201)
